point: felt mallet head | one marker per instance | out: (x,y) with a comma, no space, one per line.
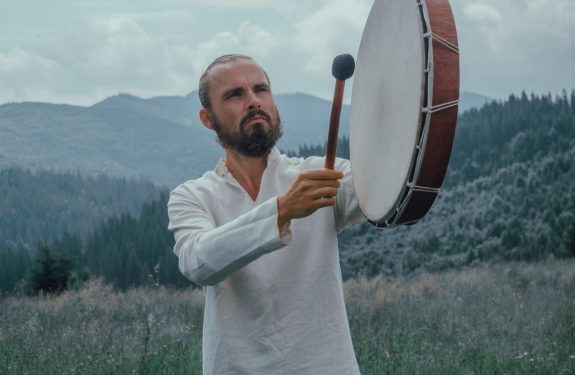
(343,67)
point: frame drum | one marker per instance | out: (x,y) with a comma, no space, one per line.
(403,108)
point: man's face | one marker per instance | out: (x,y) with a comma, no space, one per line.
(243,112)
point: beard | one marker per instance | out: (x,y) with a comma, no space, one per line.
(254,141)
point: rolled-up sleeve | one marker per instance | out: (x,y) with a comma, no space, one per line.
(208,253)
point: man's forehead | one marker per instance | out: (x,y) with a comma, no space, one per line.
(236,72)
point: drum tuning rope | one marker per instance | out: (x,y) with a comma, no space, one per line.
(425,189)
(429,34)
(441,107)
(445,42)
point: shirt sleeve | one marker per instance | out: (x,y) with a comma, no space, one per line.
(347,210)
(209,254)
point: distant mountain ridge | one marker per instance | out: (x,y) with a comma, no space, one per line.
(508,195)
(470,100)
(41,205)
(159,139)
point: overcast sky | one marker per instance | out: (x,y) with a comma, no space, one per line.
(81,51)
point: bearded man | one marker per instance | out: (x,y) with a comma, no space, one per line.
(259,234)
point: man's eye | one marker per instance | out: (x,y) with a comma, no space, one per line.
(233,94)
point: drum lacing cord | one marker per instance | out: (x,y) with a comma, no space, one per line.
(445,42)
(425,189)
(440,107)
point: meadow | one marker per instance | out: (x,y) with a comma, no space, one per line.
(511,318)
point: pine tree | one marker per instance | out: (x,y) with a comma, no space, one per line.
(51,272)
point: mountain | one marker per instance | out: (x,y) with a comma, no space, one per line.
(508,195)
(159,139)
(121,136)
(41,205)
(469,100)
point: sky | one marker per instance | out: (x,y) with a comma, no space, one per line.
(82,51)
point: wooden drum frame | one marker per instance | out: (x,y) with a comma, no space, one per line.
(430,62)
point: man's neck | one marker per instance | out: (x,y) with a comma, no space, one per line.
(247,171)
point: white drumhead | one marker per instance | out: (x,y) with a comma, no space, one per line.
(386,105)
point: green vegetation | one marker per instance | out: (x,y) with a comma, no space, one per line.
(128,251)
(523,129)
(508,196)
(513,318)
(58,268)
(57,211)
(96,330)
(124,250)
(42,205)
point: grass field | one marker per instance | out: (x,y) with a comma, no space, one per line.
(503,319)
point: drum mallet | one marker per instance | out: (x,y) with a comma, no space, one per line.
(342,69)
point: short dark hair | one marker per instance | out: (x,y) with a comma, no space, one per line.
(203,86)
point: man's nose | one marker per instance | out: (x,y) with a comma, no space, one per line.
(253,100)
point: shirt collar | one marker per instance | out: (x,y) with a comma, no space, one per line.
(222,170)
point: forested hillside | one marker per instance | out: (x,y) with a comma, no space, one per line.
(61,208)
(508,195)
(41,205)
(136,250)
(522,129)
(124,250)
(160,139)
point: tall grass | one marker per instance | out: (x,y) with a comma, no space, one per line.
(99,331)
(504,319)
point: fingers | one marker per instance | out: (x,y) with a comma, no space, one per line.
(320,203)
(322,174)
(319,178)
(326,192)
(319,184)
(313,189)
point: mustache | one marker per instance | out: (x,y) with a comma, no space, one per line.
(255,113)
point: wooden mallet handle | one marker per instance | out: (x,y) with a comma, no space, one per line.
(342,69)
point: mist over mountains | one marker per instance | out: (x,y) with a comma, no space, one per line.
(160,139)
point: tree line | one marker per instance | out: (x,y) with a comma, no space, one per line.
(508,195)
(124,250)
(41,205)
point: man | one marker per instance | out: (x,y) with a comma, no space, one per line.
(259,234)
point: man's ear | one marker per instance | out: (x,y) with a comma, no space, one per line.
(205,119)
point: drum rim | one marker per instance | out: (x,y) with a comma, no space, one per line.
(424,119)
(390,218)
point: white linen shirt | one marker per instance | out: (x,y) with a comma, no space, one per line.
(273,303)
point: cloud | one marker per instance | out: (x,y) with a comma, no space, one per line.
(333,29)
(482,13)
(171,15)
(510,45)
(102,48)
(26,75)
(230,4)
(249,39)
(115,54)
